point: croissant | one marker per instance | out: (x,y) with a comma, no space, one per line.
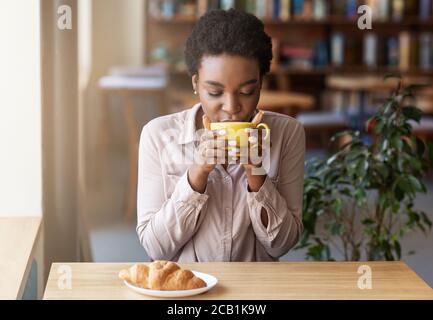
(162,275)
(138,274)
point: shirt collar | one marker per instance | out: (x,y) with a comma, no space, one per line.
(189,129)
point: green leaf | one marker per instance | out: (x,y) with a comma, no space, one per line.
(337,229)
(360,197)
(367,221)
(341,134)
(420,147)
(415,183)
(396,142)
(426,219)
(430,152)
(332,159)
(412,112)
(378,127)
(336,206)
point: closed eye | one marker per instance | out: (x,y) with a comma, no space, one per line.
(215,94)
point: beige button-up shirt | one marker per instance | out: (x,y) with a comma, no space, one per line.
(223,224)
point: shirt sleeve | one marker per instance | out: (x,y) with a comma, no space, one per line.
(282,201)
(164,225)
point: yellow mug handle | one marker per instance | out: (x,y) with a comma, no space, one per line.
(266,127)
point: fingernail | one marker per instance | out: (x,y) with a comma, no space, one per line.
(252,139)
(232,143)
(221,132)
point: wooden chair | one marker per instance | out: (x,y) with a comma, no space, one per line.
(127,87)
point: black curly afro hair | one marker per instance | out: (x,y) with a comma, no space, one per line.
(232,32)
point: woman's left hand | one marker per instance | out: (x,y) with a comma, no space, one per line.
(256,149)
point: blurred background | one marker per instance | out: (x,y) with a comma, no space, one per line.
(327,72)
(80,78)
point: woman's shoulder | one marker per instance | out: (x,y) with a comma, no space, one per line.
(168,121)
(165,129)
(281,122)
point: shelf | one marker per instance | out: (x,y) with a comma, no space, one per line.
(322,71)
(332,20)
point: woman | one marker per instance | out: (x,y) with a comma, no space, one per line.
(192,209)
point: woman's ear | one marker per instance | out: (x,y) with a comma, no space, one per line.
(194,81)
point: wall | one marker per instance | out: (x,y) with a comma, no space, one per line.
(20,109)
(116,38)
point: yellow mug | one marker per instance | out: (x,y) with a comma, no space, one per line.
(236,130)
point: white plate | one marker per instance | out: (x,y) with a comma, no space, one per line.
(211,281)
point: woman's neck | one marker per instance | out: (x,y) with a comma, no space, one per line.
(199,119)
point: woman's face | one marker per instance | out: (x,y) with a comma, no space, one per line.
(228,87)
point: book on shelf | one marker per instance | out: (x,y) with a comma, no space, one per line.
(275,53)
(383,10)
(410,8)
(370,53)
(398,10)
(154,8)
(426,50)
(308,9)
(213,4)
(261,9)
(404,50)
(425,9)
(337,49)
(249,6)
(320,9)
(227,4)
(298,8)
(392,52)
(168,8)
(379,8)
(186,8)
(275,9)
(407,51)
(339,7)
(303,9)
(352,51)
(202,7)
(352,9)
(285,10)
(296,56)
(321,56)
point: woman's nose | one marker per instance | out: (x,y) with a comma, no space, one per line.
(231,104)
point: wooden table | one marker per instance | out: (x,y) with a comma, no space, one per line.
(257,280)
(17,244)
(285,102)
(364,85)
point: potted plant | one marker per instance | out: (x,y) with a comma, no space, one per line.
(360,199)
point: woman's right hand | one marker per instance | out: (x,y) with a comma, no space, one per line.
(211,151)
